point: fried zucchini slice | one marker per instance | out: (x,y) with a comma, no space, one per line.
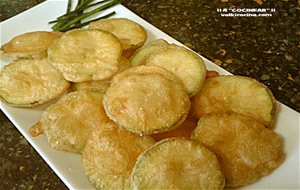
(110,154)
(139,57)
(245,148)
(148,70)
(86,55)
(30,45)
(30,82)
(157,42)
(184,130)
(69,122)
(185,64)
(147,100)
(131,34)
(177,163)
(235,93)
(100,85)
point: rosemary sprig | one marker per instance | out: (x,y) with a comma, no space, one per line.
(73,18)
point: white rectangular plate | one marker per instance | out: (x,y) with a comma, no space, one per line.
(68,166)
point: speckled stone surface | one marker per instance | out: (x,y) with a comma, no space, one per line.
(265,48)
(21,167)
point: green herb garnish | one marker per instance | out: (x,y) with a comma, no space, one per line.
(73,18)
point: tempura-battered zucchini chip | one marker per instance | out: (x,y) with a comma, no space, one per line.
(156,42)
(139,57)
(30,45)
(235,93)
(177,163)
(110,154)
(86,55)
(185,64)
(70,122)
(30,82)
(131,34)
(184,130)
(146,99)
(98,85)
(147,70)
(245,148)
(101,85)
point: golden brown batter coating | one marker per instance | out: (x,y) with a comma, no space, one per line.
(131,34)
(140,56)
(185,64)
(110,155)
(177,163)
(70,122)
(31,44)
(245,148)
(145,100)
(101,85)
(235,93)
(31,82)
(86,55)
(184,130)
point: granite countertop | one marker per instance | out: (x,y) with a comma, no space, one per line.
(265,48)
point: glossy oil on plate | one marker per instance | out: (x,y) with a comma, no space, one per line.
(68,165)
